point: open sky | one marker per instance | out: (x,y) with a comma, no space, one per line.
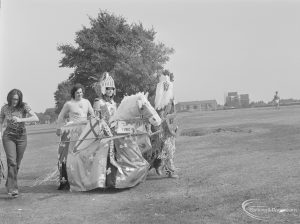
(220,46)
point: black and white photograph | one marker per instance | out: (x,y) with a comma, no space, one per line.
(159,112)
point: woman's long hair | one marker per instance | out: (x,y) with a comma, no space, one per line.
(10,96)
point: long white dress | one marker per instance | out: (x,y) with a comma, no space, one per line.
(70,132)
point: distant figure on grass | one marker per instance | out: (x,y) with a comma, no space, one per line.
(14,139)
(77,109)
(276,100)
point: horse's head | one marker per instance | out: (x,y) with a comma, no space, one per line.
(135,106)
(147,111)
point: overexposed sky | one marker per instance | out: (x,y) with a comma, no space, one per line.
(220,46)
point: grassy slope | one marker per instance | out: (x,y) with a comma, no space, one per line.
(218,171)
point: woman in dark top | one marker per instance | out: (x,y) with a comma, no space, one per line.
(14,137)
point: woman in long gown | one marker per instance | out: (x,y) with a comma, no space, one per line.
(77,110)
(126,166)
(105,107)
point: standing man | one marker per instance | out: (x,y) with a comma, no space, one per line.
(276,100)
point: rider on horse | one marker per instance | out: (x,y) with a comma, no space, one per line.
(105,106)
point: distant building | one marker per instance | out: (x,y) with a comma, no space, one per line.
(289,102)
(203,105)
(244,100)
(233,94)
(233,99)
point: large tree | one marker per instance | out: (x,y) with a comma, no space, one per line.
(62,94)
(128,52)
(50,114)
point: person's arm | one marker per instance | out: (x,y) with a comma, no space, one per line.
(2,117)
(60,119)
(168,117)
(61,116)
(32,116)
(96,107)
(90,109)
(1,123)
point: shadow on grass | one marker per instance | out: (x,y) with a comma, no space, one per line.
(45,192)
(105,191)
(202,131)
(50,188)
(53,189)
(5,197)
(153,178)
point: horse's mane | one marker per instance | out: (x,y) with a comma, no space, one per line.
(128,108)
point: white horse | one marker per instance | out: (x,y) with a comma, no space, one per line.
(135,106)
(98,148)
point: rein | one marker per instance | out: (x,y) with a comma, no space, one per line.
(114,137)
(141,118)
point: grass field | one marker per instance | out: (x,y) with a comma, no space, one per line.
(224,158)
